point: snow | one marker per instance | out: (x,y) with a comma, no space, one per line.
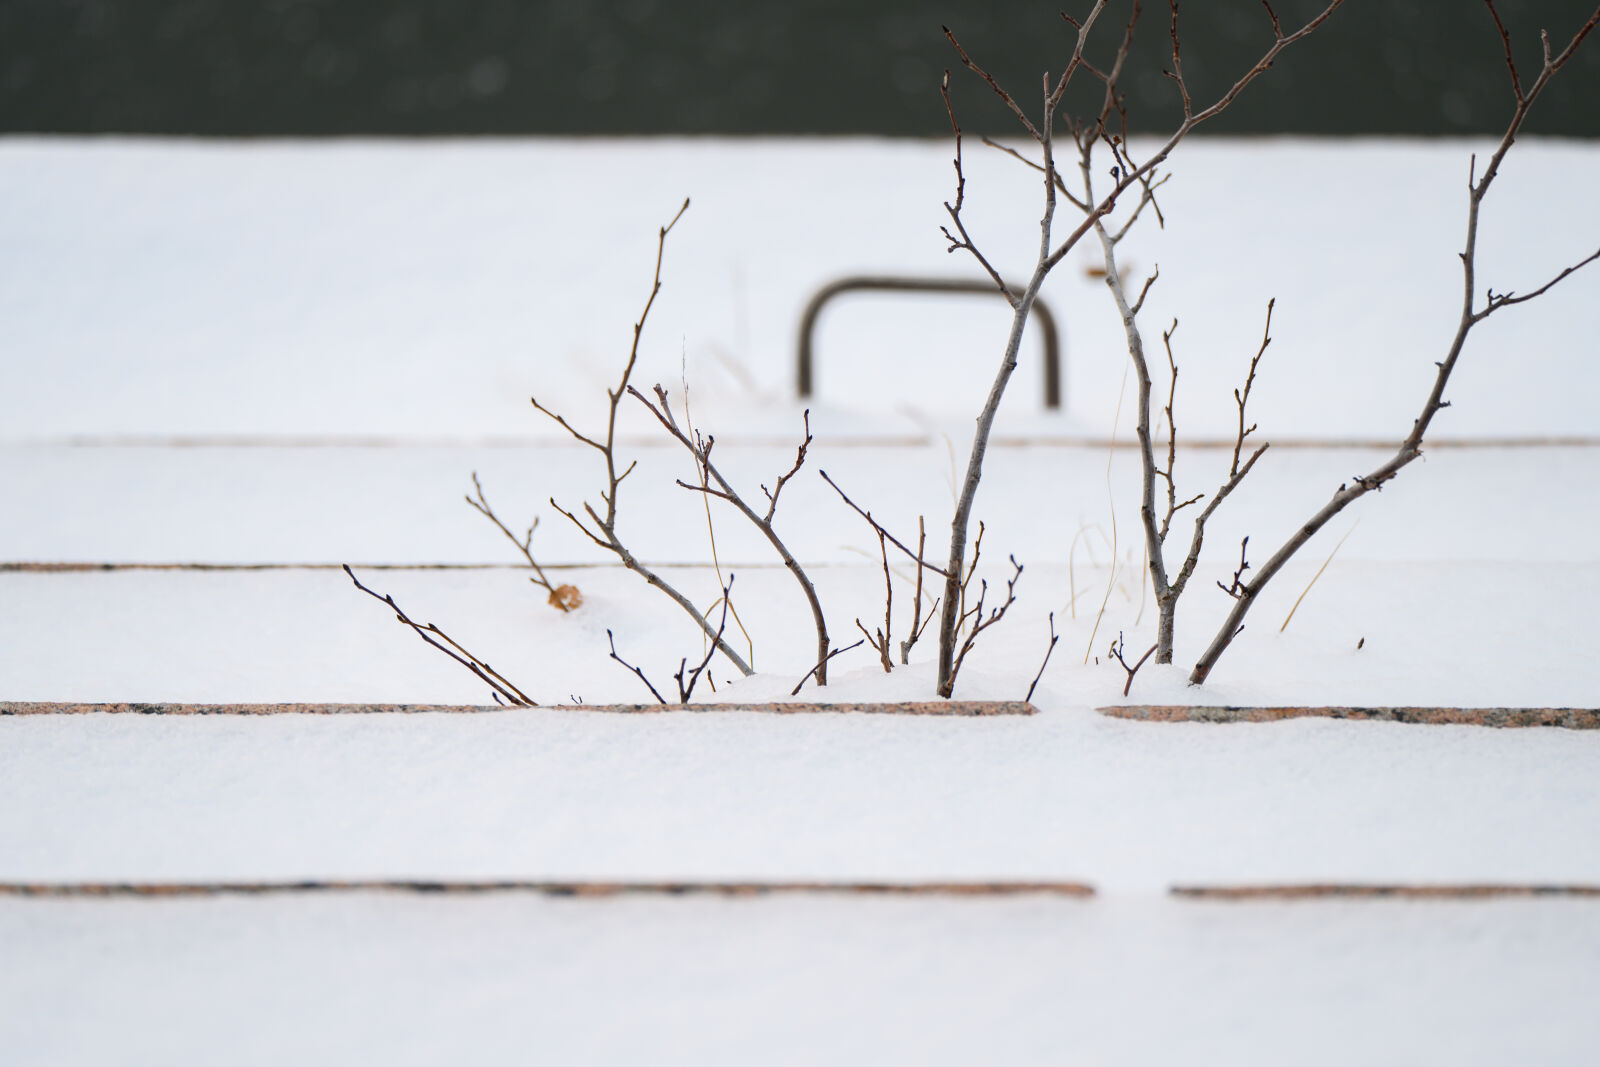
(289,356)
(1066,795)
(797,981)
(372,288)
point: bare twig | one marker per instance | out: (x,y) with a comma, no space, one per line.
(954,210)
(602,530)
(971,569)
(1116,651)
(1168,588)
(1236,588)
(524,543)
(918,622)
(821,663)
(711,531)
(881,639)
(1411,448)
(879,529)
(1243,398)
(1052,251)
(982,622)
(1054,637)
(653,692)
(565,597)
(686,689)
(497,683)
(712,483)
(1505,39)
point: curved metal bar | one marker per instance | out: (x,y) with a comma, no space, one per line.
(877,283)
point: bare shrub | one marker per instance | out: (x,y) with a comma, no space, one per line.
(1472,313)
(1096,136)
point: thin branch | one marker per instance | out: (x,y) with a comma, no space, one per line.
(524,544)
(1505,39)
(1243,398)
(1054,637)
(1051,252)
(1172,438)
(1496,301)
(428,631)
(711,529)
(983,622)
(883,638)
(659,698)
(916,601)
(1236,588)
(970,570)
(799,461)
(1006,97)
(1138,305)
(878,528)
(1411,448)
(1061,186)
(700,448)
(1127,179)
(686,690)
(954,210)
(1116,651)
(604,532)
(1176,73)
(1147,198)
(821,665)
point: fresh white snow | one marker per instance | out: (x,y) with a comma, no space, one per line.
(1121,980)
(283,353)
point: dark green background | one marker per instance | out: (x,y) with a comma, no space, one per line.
(330,67)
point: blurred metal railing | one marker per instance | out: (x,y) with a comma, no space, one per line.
(876,283)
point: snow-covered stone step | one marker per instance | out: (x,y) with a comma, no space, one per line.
(1137,980)
(1043,503)
(1367,634)
(405,288)
(547,794)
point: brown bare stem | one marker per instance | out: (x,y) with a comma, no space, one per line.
(877,527)
(602,530)
(821,664)
(882,639)
(918,622)
(1411,448)
(686,689)
(712,483)
(1116,653)
(982,622)
(479,668)
(1168,589)
(1051,253)
(1054,637)
(524,543)
(653,691)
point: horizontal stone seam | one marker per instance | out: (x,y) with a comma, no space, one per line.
(945,708)
(1567,718)
(545,888)
(1319,891)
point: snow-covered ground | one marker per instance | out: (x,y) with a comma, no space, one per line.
(1119,980)
(295,355)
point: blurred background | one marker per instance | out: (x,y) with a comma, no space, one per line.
(251,68)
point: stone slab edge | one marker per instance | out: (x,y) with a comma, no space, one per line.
(959,708)
(1568,718)
(546,888)
(1406,892)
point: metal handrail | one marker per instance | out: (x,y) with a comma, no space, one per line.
(808,321)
